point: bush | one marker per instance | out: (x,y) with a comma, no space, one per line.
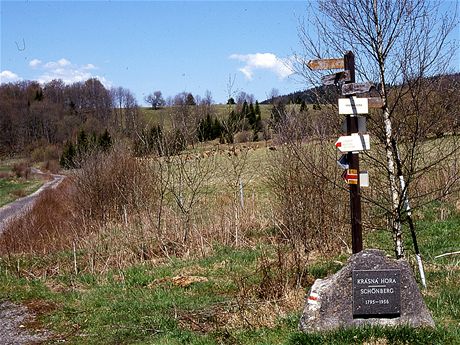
(45,153)
(111,185)
(310,205)
(22,170)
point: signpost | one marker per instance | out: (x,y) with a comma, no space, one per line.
(343,163)
(353,159)
(353,106)
(321,64)
(336,78)
(380,288)
(355,88)
(353,143)
(350,176)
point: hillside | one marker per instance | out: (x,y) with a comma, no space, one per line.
(311,96)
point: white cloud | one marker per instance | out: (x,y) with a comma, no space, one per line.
(63,62)
(267,61)
(66,71)
(56,64)
(89,66)
(34,63)
(8,77)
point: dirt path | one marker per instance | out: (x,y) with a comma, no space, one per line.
(14,318)
(13,325)
(20,206)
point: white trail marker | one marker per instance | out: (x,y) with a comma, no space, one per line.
(353,143)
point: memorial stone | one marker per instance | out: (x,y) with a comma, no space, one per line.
(371,289)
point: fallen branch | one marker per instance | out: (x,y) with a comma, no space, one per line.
(446,254)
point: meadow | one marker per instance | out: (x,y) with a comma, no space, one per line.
(15,182)
(235,279)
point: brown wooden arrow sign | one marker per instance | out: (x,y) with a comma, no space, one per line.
(326,64)
(333,79)
(355,88)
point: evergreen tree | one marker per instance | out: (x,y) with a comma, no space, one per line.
(216,129)
(68,156)
(257,109)
(190,100)
(93,142)
(251,115)
(156,140)
(245,109)
(82,142)
(303,107)
(278,112)
(104,141)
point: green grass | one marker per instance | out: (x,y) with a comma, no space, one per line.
(141,304)
(163,115)
(13,188)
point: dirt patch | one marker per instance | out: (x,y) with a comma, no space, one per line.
(17,322)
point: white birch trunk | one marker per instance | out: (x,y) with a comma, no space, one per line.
(394,193)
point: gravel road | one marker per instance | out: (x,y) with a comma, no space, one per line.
(14,317)
(13,329)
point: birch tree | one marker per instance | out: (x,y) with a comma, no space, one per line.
(398,46)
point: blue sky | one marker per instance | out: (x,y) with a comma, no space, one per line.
(145,46)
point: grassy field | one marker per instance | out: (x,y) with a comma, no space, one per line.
(232,294)
(12,187)
(219,299)
(163,115)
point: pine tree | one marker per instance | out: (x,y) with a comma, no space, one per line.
(257,109)
(190,100)
(303,106)
(216,129)
(251,115)
(104,141)
(69,153)
(82,143)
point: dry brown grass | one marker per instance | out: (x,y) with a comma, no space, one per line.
(117,211)
(46,227)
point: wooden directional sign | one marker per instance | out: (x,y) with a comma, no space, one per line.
(326,64)
(353,106)
(333,79)
(350,176)
(353,143)
(355,88)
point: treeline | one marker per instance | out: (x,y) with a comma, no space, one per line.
(46,121)
(322,94)
(35,116)
(199,122)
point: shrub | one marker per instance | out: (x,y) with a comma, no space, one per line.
(21,170)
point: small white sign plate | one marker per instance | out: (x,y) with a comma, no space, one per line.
(353,106)
(363,179)
(354,142)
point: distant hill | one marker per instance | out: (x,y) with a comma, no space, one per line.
(310,96)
